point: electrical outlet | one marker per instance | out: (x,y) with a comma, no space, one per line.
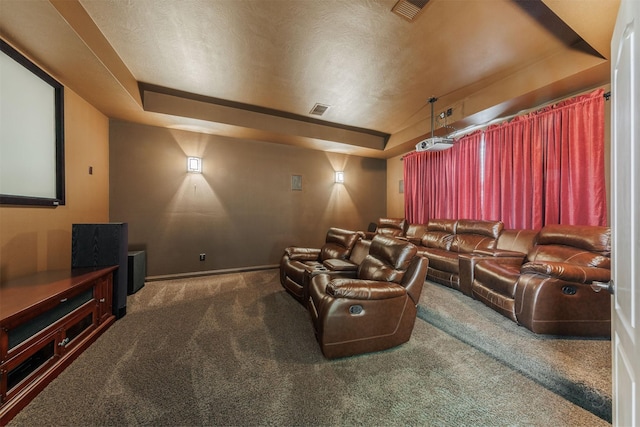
(442,116)
(449,112)
(202,257)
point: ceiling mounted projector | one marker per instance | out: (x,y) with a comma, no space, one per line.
(434,143)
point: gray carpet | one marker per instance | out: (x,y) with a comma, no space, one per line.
(578,369)
(237,350)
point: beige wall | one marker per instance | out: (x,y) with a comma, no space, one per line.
(395,199)
(34,239)
(241,211)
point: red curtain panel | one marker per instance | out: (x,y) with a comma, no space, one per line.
(546,167)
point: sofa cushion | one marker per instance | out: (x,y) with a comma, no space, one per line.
(467,243)
(484,228)
(388,259)
(588,246)
(568,272)
(360,251)
(517,240)
(415,232)
(439,234)
(332,250)
(338,244)
(446,225)
(568,254)
(587,237)
(475,234)
(391,226)
(441,259)
(437,239)
(302,254)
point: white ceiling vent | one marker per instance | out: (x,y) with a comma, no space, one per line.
(409,9)
(319,109)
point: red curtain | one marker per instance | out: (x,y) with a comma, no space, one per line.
(443,184)
(468,155)
(512,175)
(429,185)
(415,179)
(545,167)
(575,177)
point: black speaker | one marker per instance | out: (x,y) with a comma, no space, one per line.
(103,245)
(137,271)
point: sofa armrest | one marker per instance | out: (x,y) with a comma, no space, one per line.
(506,260)
(335,264)
(413,239)
(467,264)
(302,254)
(364,289)
(498,253)
(567,272)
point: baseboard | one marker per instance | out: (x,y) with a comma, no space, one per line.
(209,273)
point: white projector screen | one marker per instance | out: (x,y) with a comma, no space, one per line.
(31,133)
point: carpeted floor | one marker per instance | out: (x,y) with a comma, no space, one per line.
(237,350)
(578,369)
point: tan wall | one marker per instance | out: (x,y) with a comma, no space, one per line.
(395,199)
(241,211)
(34,239)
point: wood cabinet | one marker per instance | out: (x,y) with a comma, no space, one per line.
(46,321)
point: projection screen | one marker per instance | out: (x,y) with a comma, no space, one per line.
(31,133)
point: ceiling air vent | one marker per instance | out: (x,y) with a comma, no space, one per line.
(409,9)
(319,109)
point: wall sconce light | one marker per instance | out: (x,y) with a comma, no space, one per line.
(340,177)
(194,164)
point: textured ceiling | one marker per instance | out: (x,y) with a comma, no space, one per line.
(254,69)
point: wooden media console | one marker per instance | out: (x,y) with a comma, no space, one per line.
(46,321)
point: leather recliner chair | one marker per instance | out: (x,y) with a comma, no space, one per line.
(549,291)
(297,264)
(374,311)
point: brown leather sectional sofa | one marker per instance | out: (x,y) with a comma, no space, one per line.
(548,290)
(539,279)
(362,294)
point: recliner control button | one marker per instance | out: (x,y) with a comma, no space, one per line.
(356,309)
